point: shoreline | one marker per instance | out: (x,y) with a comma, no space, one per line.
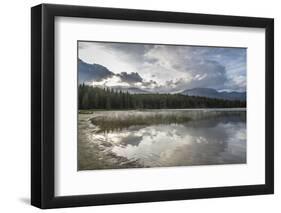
(178,109)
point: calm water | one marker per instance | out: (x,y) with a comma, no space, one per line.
(156,138)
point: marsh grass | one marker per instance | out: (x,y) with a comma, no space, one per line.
(106,121)
(110,123)
(85,112)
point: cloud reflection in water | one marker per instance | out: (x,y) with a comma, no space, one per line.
(202,142)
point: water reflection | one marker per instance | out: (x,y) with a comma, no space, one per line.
(218,138)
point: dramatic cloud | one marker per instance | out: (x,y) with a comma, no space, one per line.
(133,77)
(113,81)
(169,68)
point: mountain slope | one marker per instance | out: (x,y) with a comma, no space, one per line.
(92,72)
(212,93)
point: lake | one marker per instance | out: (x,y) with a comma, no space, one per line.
(161,138)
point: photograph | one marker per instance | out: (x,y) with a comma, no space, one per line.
(139,105)
(160,105)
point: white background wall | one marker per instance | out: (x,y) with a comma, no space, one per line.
(15,105)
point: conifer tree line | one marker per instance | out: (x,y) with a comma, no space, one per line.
(90,97)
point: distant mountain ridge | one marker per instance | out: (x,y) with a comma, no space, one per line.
(212,93)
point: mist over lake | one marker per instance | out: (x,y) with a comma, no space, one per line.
(201,137)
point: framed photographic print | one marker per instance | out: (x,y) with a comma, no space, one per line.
(139,106)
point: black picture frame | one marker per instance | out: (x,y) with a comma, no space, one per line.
(43,102)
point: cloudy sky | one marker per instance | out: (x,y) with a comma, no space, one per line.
(168,68)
